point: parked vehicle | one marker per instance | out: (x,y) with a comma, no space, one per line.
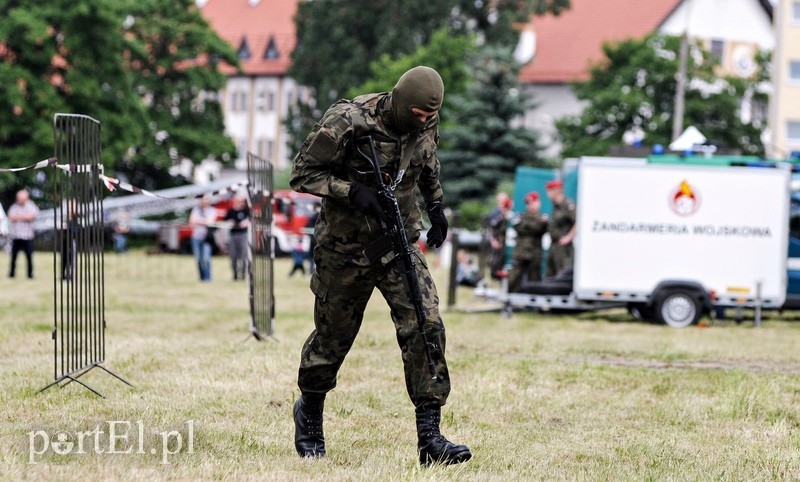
(290,216)
(291,213)
(672,241)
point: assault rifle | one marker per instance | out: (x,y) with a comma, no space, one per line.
(396,240)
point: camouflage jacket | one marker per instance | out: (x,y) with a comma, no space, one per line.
(562,219)
(530,229)
(328,162)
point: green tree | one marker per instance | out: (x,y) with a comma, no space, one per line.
(339,39)
(131,65)
(174,59)
(62,56)
(445,52)
(633,90)
(483,144)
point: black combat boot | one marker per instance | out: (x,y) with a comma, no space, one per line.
(308,437)
(433,447)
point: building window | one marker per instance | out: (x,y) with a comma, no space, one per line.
(266,100)
(238,100)
(244,49)
(793,131)
(271,53)
(262,100)
(264,147)
(234,104)
(718,48)
(794,70)
(241,148)
(795,12)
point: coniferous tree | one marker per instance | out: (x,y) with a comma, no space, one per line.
(339,39)
(484,143)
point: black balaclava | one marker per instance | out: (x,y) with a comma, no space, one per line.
(420,87)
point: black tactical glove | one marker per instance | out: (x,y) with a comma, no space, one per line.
(438,231)
(365,199)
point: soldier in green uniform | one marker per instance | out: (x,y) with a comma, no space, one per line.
(527,255)
(497,223)
(403,125)
(562,228)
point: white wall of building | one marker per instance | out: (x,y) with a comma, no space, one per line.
(254,110)
(785,98)
(553,102)
(731,20)
(742,25)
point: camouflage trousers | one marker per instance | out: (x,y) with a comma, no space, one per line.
(342,285)
(529,269)
(558,258)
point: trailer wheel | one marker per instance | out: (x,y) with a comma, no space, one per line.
(678,309)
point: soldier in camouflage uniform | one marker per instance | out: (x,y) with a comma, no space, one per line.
(527,254)
(404,127)
(562,229)
(498,224)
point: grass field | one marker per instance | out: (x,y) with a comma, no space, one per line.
(536,397)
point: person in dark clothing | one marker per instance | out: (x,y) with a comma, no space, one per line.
(239,215)
(298,257)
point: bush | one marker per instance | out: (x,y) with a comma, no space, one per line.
(473,213)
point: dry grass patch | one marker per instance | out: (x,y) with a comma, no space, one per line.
(537,397)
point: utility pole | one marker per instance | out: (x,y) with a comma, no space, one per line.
(680,89)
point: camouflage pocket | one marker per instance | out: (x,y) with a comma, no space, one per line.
(323,147)
(318,287)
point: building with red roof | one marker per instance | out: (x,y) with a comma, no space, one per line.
(559,50)
(556,50)
(257,98)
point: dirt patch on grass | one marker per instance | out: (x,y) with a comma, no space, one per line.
(749,366)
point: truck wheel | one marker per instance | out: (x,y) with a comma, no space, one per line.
(678,309)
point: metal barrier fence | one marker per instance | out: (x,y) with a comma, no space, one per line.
(78,266)
(262,279)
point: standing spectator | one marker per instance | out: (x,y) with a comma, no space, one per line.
(21,216)
(528,251)
(239,214)
(200,219)
(498,224)
(298,256)
(121,229)
(70,230)
(561,228)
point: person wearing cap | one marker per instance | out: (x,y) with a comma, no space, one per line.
(403,125)
(498,225)
(561,228)
(527,256)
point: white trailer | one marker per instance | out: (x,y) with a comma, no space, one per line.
(672,241)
